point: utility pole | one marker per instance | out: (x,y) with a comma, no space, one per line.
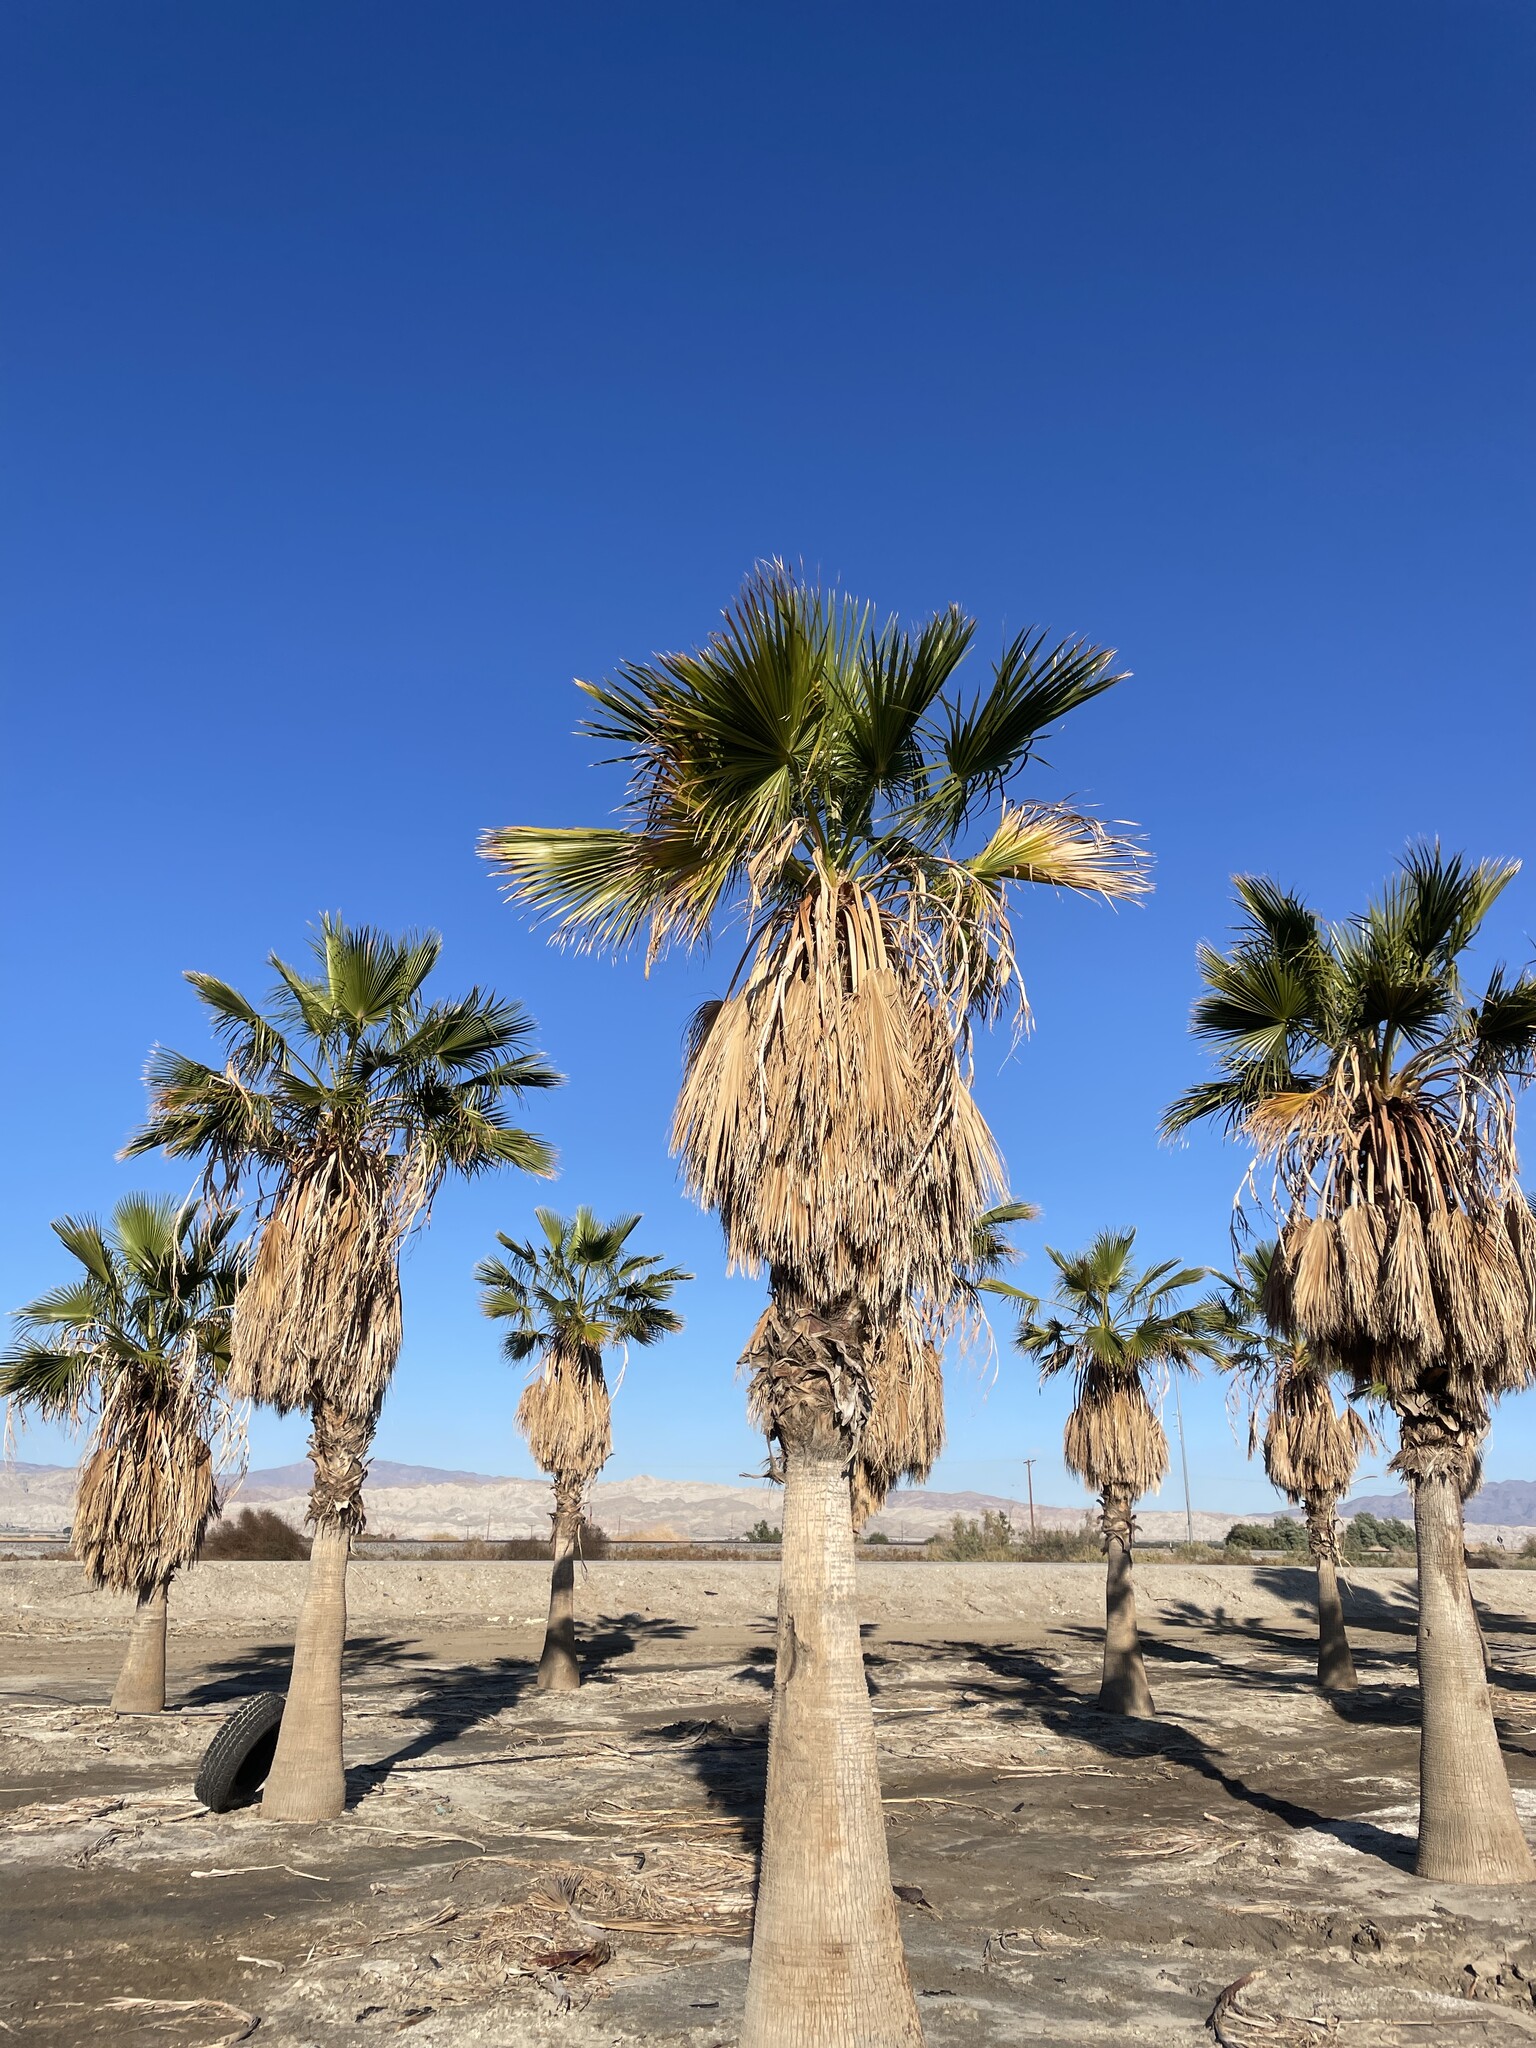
(1029,1481)
(1189,1519)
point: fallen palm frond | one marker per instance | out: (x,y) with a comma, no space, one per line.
(175,2009)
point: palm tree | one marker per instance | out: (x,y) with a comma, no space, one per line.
(1117,1331)
(341,1109)
(806,772)
(567,1301)
(1311,1448)
(141,1338)
(1354,1060)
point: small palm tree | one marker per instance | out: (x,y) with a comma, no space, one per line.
(141,1339)
(1118,1329)
(1355,1060)
(341,1109)
(567,1301)
(1311,1447)
(813,774)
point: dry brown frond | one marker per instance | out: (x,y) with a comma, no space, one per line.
(1113,1438)
(1409,1253)
(565,1414)
(905,1431)
(145,1492)
(1310,1447)
(825,1118)
(319,1317)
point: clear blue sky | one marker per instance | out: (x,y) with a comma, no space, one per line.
(371,370)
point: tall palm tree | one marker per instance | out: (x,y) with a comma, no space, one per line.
(141,1340)
(1311,1447)
(1117,1331)
(1354,1060)
(806,772)
(340,1110)
(567,1301)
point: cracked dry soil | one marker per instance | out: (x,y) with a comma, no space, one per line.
(514,1869)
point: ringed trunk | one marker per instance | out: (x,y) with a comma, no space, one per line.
(827,1969)
(140,1687)
(559,1670)
(1335,1660)
(308,1776)
(1469,1831)
(1124,1688)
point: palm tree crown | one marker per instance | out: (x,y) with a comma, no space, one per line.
(142,1336)
(1116,1329)
(347,1101)
(1355,1059)
(806,772)
(578,1290)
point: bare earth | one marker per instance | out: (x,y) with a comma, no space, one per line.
(1087,1880)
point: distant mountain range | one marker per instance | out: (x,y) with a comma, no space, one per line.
(423,1501)
(1509,1502)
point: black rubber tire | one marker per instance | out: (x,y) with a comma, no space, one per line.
(235,1764)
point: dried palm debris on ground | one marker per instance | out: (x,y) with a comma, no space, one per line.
(512,1872)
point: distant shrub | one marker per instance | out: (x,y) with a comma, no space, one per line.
(763,1532)
(877,1536)
(591,1542)
(1285,1534)
(259,1535)
(1364,1534)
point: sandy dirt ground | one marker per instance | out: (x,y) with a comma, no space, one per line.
(1086,1879)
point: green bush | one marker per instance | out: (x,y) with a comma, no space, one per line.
(763,1532)
(879,1536)
(1365,1534)
(1285,1534)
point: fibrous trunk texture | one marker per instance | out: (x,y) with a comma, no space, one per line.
(1469,1831)
(308,1779)
(1335,1660)
(140,1685)
(827,1968)
(558,1668)
(1124,1688)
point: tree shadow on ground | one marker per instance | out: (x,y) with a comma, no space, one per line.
(730,1760)
(1029,1688)
(266,1667)
(453,1699)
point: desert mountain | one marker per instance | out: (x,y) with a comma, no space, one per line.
(424,1502)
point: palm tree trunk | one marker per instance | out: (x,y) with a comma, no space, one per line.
(827,1968)
(1335,1660)
(558,1669)
(1124,1688)
(1469,1831)
(140,1685)
(308,1777)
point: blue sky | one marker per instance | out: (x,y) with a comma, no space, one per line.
(372,370)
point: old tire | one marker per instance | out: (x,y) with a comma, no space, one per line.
(235,1764)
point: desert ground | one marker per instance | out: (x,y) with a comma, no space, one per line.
(517,1869)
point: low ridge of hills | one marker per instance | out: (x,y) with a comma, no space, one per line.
(426,1502)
